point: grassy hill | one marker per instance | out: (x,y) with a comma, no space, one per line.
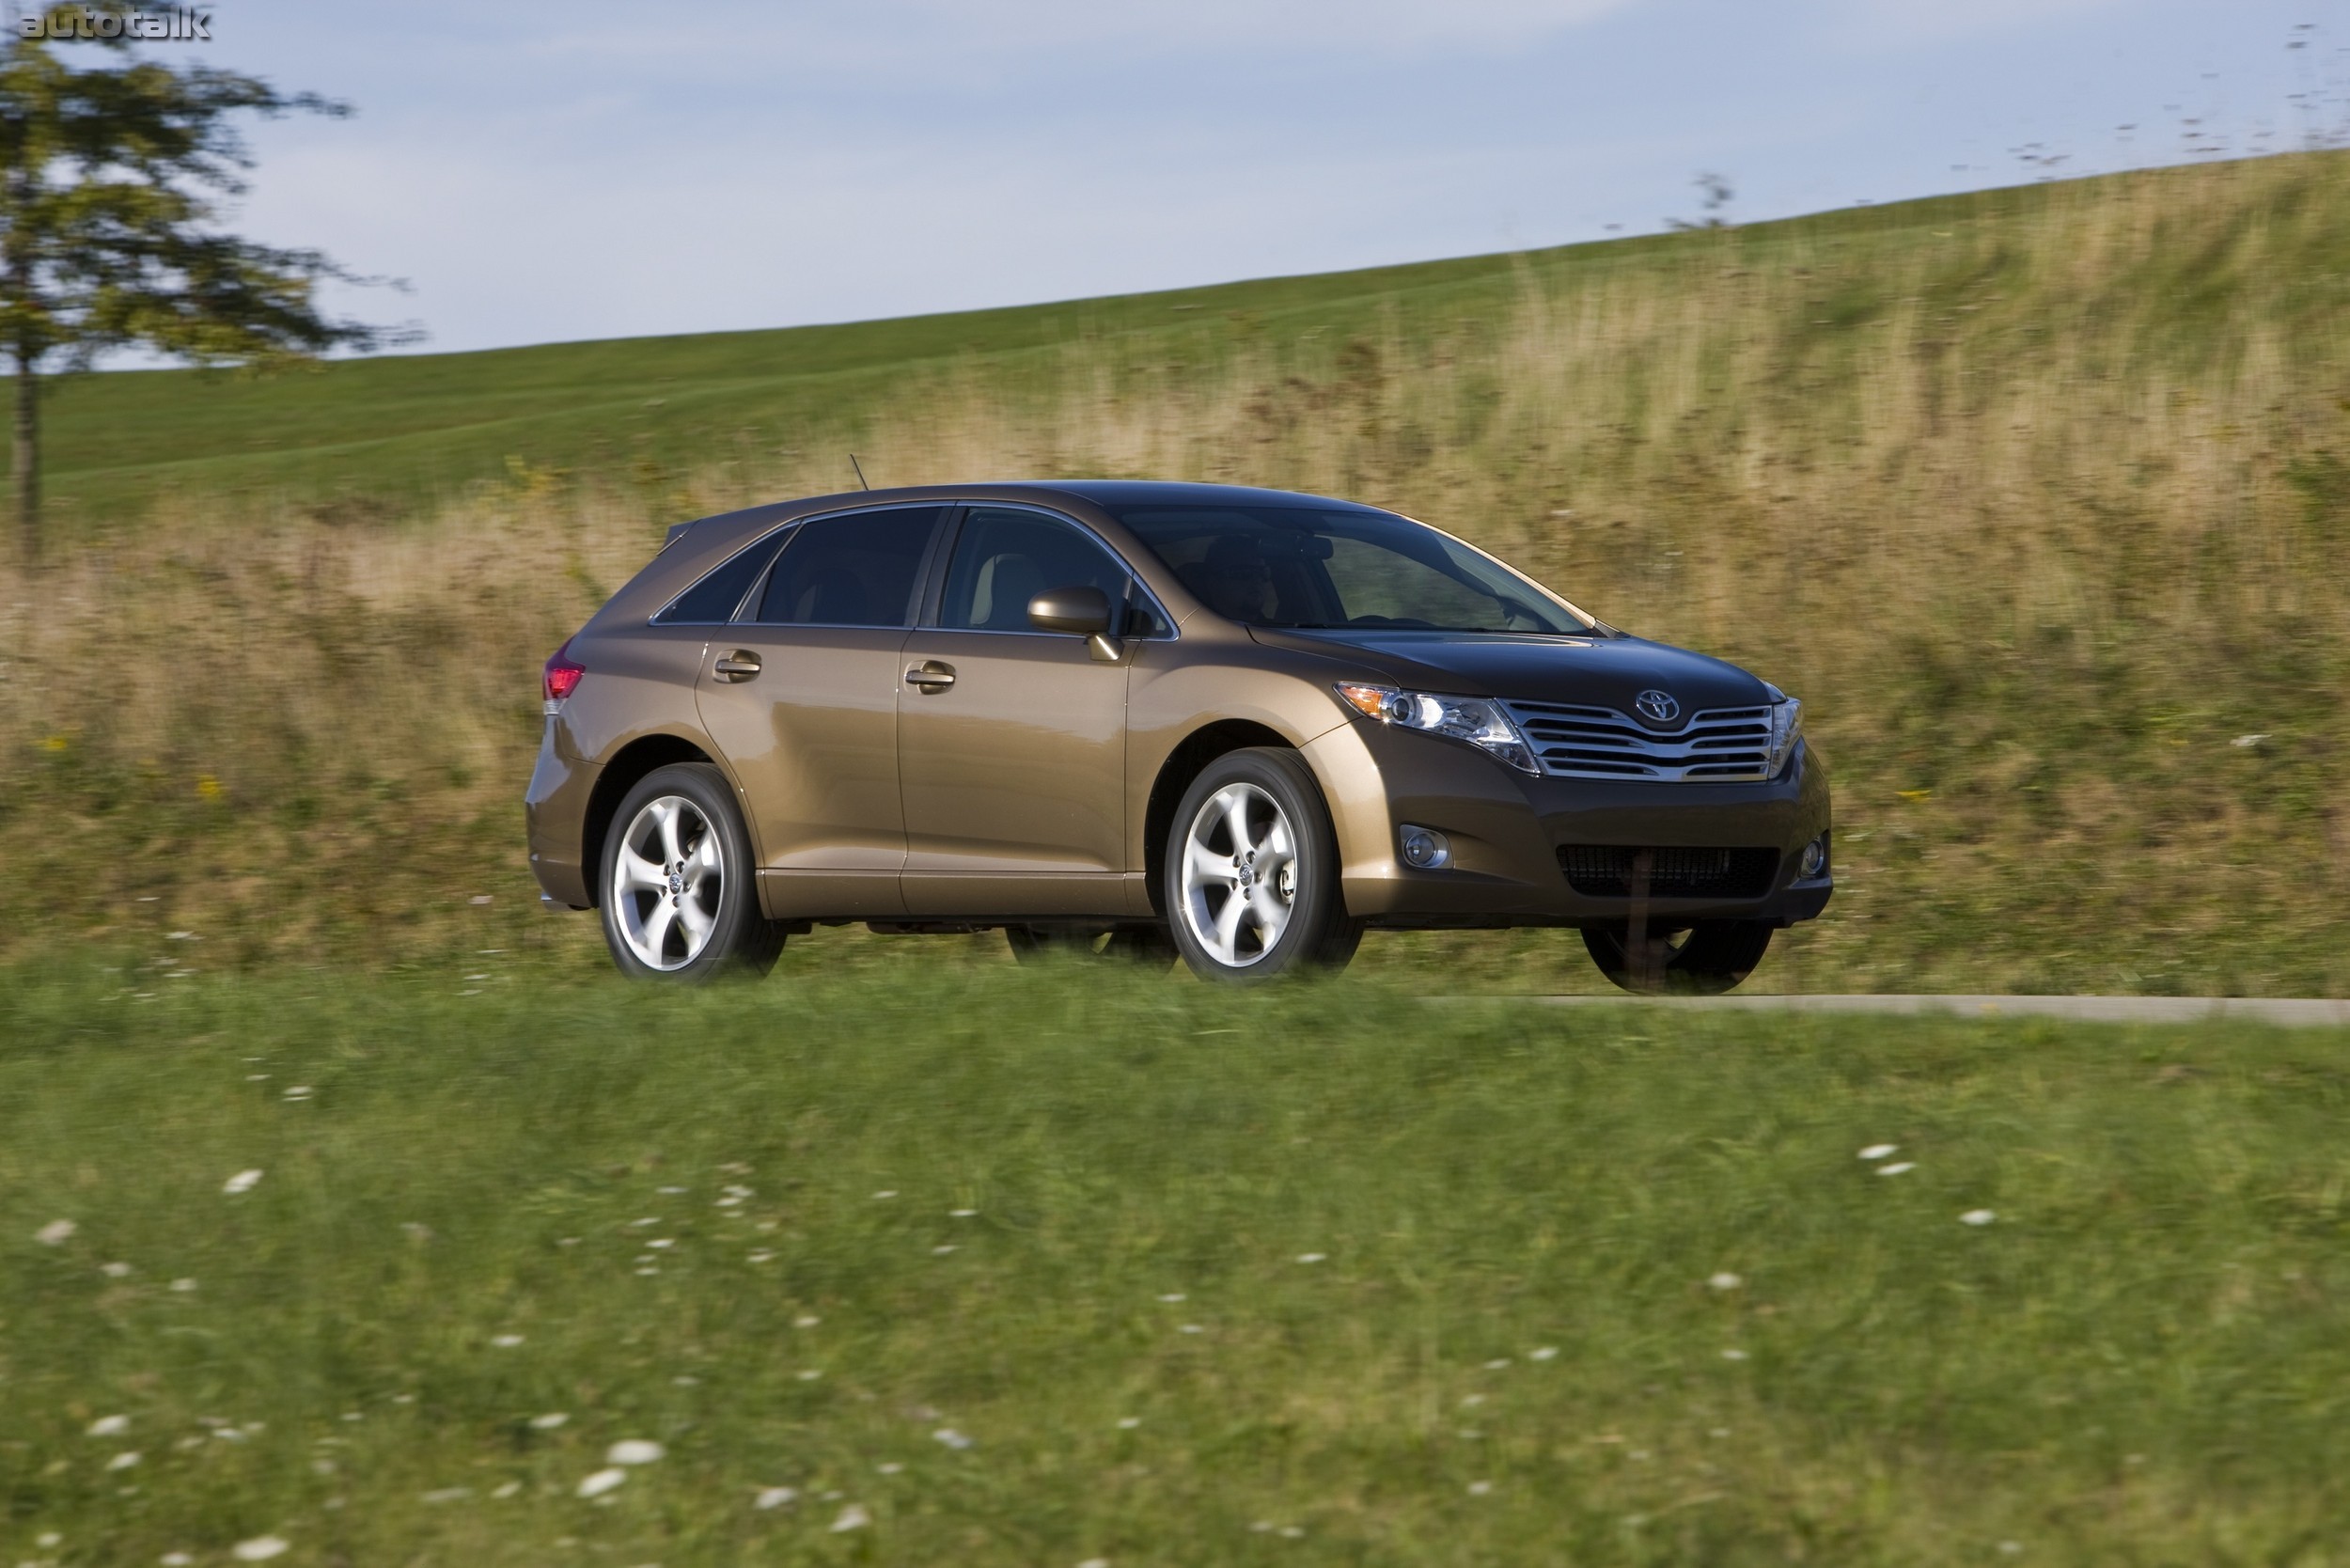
(2038,496)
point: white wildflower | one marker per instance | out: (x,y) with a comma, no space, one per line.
(1480,1488)
(1312,1256)
(259,1549)
(962,1214)
(1733,1354)
(1544,1352)
(449,1495)
(635,1450)
(942,1251)
(1189,1328)
(115,1271)
(602,1481)
(662,1244)
(890,1468)
(953,1438)
(1172,1296)
(507,1490)
(57,1233)
(123,1461)
(806,1320)
(506,1342)
(885,1193)
(852,1517)
(775,1496)
(549,1421)
(1878,1151)
(243,1182)
(1127,1424)
(1724,1281)
(176,1560)
(1898,1168)
(809,1374)
(1977,1216)
(762,1256)
(2243,741)
(183,1285)
(1496,1363)
(110,1426)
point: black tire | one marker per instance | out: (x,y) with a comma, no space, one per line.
(1704,960)
(738,940)
(1315,932)
(1147,947)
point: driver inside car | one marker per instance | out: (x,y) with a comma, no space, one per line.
(1234,580)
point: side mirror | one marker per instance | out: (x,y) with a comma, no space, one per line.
(1080,611)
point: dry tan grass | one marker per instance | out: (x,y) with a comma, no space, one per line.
(2040,506)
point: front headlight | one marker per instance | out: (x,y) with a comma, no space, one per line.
(1786,729)
(1473,719)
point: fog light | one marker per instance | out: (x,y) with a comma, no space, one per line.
(1425,849)
(1814,860)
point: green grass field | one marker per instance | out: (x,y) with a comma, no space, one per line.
(1046,1267)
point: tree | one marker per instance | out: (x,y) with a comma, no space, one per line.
(110,184)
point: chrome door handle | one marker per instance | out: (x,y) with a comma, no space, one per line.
(930,676)
(738,666)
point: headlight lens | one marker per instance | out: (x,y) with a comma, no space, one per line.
(1786,729)
(1473,719)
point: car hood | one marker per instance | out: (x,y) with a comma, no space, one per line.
(1605,672)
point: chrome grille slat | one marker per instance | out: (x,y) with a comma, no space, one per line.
(1718,745)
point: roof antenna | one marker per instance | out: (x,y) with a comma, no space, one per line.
(860,471)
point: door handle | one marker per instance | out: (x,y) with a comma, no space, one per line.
(930,676)
(740,665)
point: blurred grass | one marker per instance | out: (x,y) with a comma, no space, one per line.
(2039,498)
(2141,1359)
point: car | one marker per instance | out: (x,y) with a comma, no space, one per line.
(1137,719)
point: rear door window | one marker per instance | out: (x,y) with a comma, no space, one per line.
(859,568)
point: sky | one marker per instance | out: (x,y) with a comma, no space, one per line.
(544,172)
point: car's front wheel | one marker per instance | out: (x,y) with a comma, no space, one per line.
(1251,876)
(1704,960)
(679,899)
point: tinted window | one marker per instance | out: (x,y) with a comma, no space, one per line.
(1003,559)
(854,571)
(717,596)
(1324,570)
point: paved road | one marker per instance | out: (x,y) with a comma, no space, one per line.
(2110,1010)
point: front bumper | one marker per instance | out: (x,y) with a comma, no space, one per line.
(1506,831)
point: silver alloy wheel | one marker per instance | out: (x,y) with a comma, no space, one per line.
(667,881)
(1240,874)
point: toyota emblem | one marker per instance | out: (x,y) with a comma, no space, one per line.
(1657,707)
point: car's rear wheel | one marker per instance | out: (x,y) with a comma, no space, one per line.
(1251,879)
(679,899)
(1148,946)
(1704,960)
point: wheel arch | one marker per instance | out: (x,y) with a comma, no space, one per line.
(1190,758)
(627,768)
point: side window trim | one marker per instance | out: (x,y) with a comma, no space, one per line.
(758,586)
(933,609)
(746,612)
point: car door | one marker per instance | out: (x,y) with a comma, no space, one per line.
(800,692)
(1011,742)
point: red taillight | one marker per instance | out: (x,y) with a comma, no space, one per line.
(563,674)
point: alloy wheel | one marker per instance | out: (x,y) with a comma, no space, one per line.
(1240,874)
(667,881)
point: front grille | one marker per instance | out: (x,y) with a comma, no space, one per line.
(1721,744)
(1604,871)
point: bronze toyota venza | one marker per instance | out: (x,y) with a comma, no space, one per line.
(1137,718)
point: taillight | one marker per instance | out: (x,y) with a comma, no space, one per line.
(561,678)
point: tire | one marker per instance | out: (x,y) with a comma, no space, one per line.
(1147,947)
(1704,960)
(680,899)
(1253,828)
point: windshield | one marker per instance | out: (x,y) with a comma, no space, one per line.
(1313,569)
